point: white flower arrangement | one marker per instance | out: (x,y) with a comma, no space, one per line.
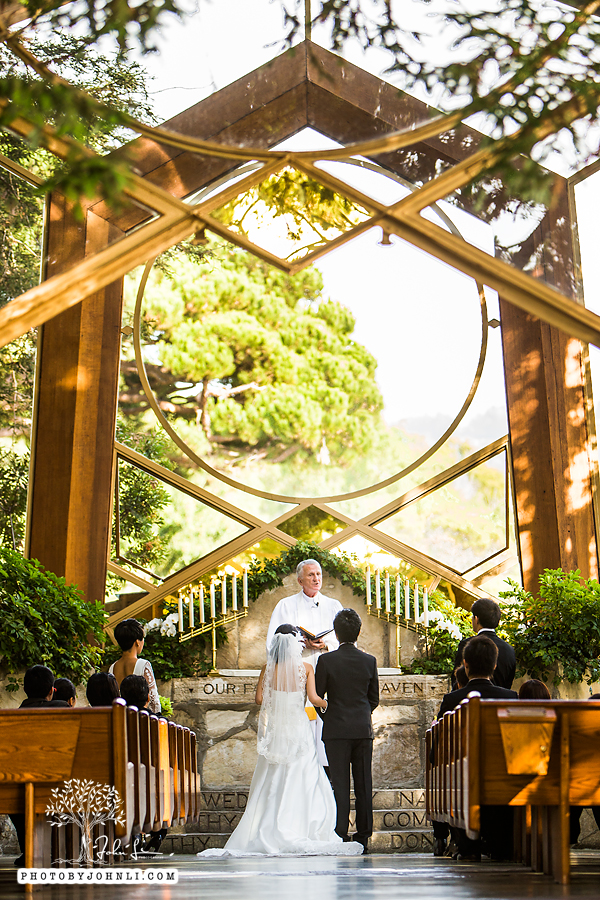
(437,618)
(167,626)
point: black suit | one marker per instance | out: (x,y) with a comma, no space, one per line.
(481,685)
(504,674)
(496,822)
(348,678)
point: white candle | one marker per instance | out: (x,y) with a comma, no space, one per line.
(245,588)
(191,607)
(180,610)
(212,600)
(425,607)
(201,604)
(416,601)
(224,594)
(368,584)
(397,595)
(388,607)
(407,599)
(234,593)
(377,589)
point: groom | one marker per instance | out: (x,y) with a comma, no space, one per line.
(347,677)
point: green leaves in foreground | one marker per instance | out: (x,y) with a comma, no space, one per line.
(557,633)
(43,620)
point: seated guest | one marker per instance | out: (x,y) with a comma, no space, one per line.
(534,690)
(480,658)
(129,635)
(102,689)
(135,691)
(38,684)
(486,618)
(64,690)
(461,677)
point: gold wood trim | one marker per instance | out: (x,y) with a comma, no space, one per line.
(71,287)
(213,560)
(140,582)
(20,171)
(509,560)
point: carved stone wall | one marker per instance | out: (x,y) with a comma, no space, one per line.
(222,712)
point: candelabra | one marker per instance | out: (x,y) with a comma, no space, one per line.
(385,613)
(226,617)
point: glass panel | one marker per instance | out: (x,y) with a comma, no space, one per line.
(461,523)
(304,393)
(370,554)
(268,548)
(161,528)
(312,524)
(21,221)
(290,214)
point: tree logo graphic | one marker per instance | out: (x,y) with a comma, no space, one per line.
(85,804)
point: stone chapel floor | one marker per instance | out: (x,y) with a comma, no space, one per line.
(373,877)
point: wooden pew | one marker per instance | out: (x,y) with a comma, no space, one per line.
(40,749)
(538,756)
(151,763)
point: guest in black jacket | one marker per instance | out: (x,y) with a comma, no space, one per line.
(480,662)
(348,678)
(486,618)
(480,659)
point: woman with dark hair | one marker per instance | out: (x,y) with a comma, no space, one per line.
(102,689)
(534,690)
(291,808)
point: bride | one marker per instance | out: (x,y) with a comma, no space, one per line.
(291,809)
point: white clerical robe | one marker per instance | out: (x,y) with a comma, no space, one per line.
(316,614)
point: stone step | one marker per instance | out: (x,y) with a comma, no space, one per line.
(392,799)
(416,840)
(384,820)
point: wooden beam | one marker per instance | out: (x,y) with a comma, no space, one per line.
(75,408)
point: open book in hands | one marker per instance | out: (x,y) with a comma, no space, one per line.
(310,636)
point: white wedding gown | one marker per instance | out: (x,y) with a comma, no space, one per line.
(291,809)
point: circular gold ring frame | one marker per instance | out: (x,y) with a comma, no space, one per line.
(334,498)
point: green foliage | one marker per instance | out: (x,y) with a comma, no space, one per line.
(267,575)
(257,359)
(166,707)
(44,620)
(14,471)
(449,624)
(312,213)
(106,89)
(558,628)
(144,536)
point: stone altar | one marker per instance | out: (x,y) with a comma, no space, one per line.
(222,712)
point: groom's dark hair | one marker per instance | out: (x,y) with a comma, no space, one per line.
(347,625)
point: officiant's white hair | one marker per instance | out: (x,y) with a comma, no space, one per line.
(306,562)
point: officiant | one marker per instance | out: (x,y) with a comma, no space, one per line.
(313,611)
